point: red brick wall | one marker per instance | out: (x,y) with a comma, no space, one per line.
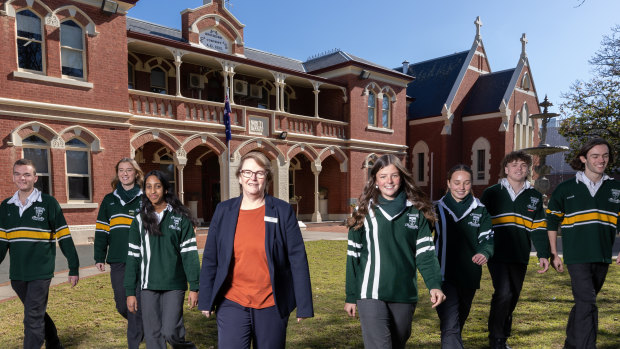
(104,69)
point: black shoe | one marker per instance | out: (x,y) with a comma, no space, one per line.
(498,343)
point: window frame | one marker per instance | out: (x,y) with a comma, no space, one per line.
(89,175)
(69,48)
(131,76)
(27,145)
(151,87)
(421,147)
(372,97)
(481,144)
(385,98)
(41,42)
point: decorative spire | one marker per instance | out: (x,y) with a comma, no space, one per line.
(478,24)
(523,44)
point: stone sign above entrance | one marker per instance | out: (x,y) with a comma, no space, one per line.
(212,39)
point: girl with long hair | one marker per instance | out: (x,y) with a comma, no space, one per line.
(389,239)
(464,242)
(116,213)
(162,260)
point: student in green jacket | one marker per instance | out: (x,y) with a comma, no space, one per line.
(587,208)
(464,242)
(31,223)
(162,260)
(516,209)
(389,238)
(116,214)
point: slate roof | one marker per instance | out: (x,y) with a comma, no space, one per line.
(144,27)
(433,82)
(336,58)
(275,60)
(487,93)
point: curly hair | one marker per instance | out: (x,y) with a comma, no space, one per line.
(371,192)
(515,156)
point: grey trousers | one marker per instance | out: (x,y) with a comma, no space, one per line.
(38,325)
(135,333)
(385,325)
(162,318)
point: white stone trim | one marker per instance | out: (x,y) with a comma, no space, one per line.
(481,144)
(379,129)
(45,78)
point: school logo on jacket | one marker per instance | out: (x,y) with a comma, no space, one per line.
(39,214)
(175,223)
(533,203)
(413,221)
(475,219)
(615,196)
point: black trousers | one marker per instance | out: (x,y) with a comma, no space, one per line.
(507,282)
(453,313)
(38,325)
(586,280)
(135,333)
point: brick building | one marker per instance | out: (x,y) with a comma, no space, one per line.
(83,85)
(459,111)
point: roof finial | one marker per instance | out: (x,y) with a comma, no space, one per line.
(523,43)
(478,24)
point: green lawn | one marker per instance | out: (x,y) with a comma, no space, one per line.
(86,317)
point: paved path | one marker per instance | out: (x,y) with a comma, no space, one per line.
(85,253)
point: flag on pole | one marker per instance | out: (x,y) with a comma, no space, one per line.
(227,112)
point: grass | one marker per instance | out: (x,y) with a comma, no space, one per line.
(86,316)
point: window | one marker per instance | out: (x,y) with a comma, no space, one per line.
(420,167)
(372,100)
(166,165)
(421,163)
(480,165)
(385,112)
(72,49)
(263,102)
(158,81)
(37,150)
(287,102)
(130,76)
(481,161)
(29,43)
(526,84)
(78,170)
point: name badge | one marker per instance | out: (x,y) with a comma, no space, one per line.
(271,219)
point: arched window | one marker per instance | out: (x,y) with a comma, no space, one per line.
(131,76)
(72,49)
(29,41)
(37,150)
(159,81)
(526,83)
(165,159)
(372,101)
(421,163)
(480,157)
(78,170)
(385,111)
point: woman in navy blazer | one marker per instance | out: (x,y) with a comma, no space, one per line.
(284,258)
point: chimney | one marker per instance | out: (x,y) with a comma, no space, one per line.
(405,67)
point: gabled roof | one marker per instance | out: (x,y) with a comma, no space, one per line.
(337,58)
(487,93)
(433,82)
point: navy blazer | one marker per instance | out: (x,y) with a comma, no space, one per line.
(286,257)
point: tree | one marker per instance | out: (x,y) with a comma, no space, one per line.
(592,108)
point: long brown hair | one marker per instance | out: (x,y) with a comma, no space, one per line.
(576,163)
(414,194)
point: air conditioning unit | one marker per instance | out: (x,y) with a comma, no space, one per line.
(241,87)
(256,91)
(196,81)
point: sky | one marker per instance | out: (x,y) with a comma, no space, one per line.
(562,34)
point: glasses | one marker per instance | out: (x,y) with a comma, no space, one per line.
(249,174)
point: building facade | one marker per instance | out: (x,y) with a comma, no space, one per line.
(461,112)
(83,85)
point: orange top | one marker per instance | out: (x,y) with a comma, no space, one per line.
(250,285)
